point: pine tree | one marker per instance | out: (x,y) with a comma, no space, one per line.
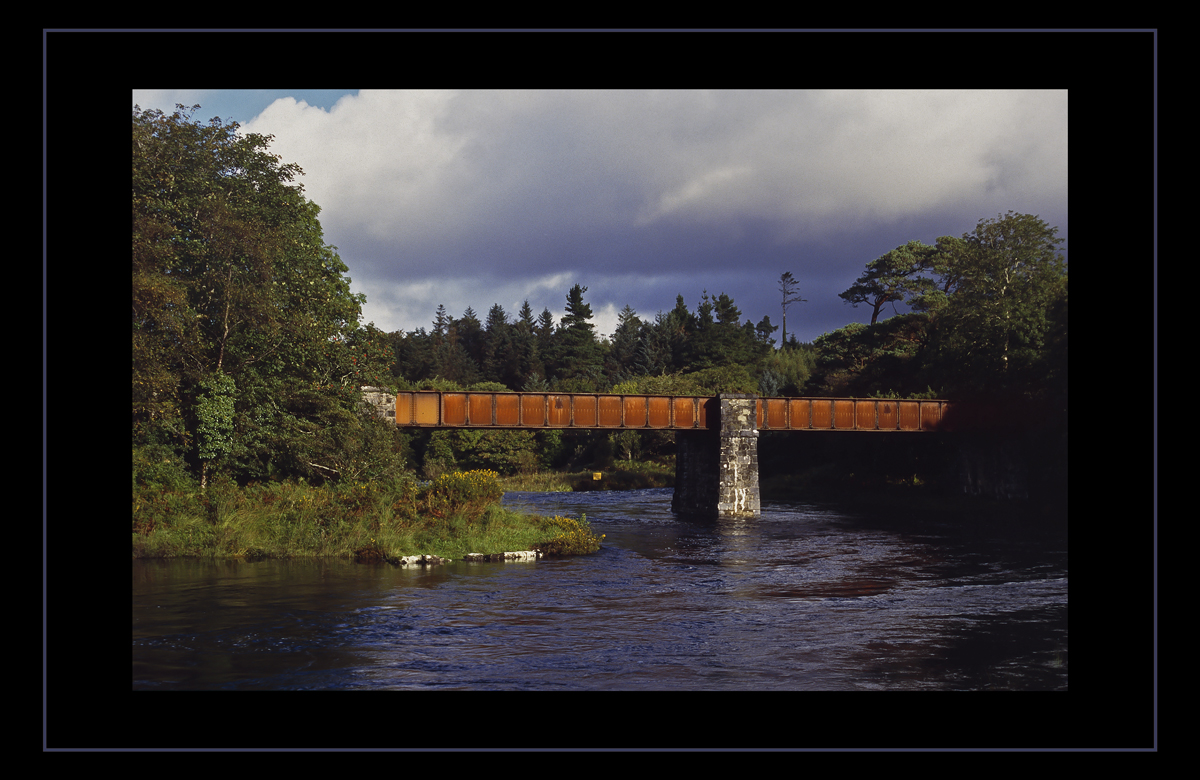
(575,352)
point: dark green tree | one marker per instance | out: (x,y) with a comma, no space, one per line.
(679,325)
(545,341)
(525,350)
(653,354)
(763,331)
(622,357)
(497,346)
(577,354)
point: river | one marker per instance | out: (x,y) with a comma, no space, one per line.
(807,597)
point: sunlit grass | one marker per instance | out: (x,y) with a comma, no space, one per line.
(455,514)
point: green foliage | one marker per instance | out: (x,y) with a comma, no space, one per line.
(569,536)
(891,278)
(464,493)
(663,384)
(626,444)
(247,350)
(160,468)
(575,357)
(861,360)
(439,454)
(622,356)
(163,490)
(506,452)
(551,448)
(724,379)
(791,368)
(769,383)
(214,413)
(988,318)
(995,325)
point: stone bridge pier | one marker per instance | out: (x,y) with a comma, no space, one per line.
(716,471)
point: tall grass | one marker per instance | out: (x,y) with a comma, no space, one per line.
(456,514)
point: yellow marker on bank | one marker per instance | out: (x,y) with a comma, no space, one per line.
(596,476)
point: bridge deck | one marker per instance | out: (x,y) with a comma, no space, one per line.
(659,412)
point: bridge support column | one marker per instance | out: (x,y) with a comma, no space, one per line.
(716,472)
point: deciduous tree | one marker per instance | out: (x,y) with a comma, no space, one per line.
(232,278)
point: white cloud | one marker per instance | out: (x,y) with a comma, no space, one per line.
(604,319)
(374,162)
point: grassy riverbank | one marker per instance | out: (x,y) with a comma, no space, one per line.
(456,514)
(622,475)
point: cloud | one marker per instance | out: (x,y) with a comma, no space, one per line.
(470,197)
(375,162)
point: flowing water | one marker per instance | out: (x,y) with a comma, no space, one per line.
(806,597)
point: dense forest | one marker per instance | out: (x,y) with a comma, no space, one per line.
(249,350)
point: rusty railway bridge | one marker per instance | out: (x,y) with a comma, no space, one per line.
(716,470)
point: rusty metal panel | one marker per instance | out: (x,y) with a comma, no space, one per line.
(585,411)
(822,414)
(479,408)
(864,415)
(404,408)
(931,415)
(658,411)
(558,410)
(776,413)
(635,411)
(508,409)
(799,413)
(710,413)
(910,416)
(454,409)
(608,411)
(533,410)
(889,415)
(685,412)
(426,408)
(843,414)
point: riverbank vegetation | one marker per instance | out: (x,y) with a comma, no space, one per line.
(248,350)
(456,514)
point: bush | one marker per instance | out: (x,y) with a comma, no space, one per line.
(160,467)
(570,536)
(466,493)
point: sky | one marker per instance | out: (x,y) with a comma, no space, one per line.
(470,198)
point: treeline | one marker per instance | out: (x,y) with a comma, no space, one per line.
(248,351)
(707,350)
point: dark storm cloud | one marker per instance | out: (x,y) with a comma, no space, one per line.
(480,197)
